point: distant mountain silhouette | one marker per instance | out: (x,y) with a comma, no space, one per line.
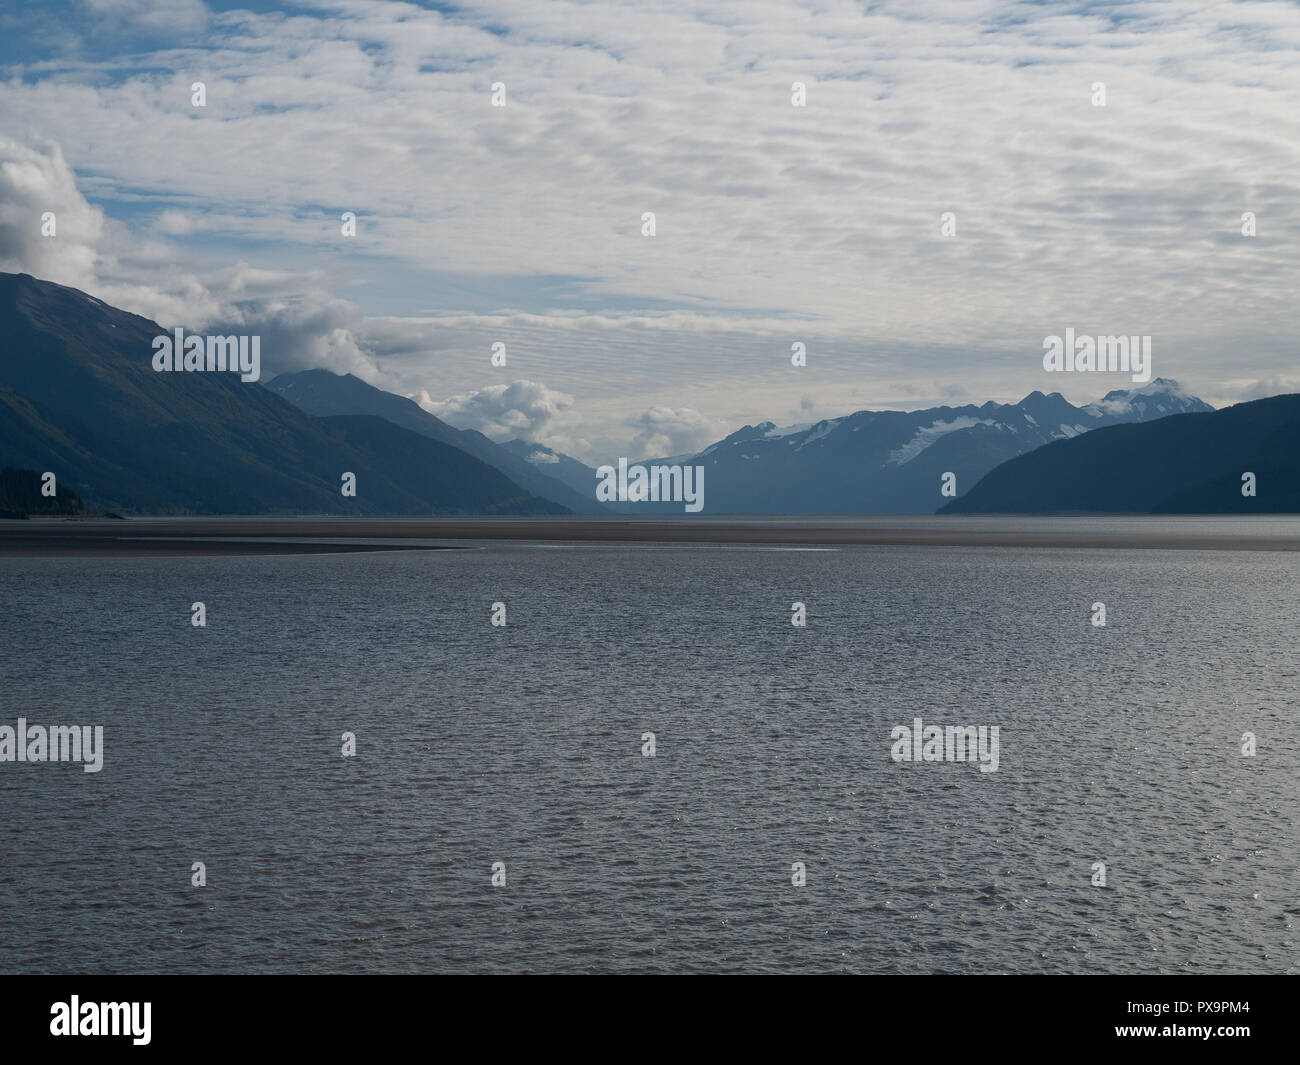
(79,397)
(891,462)
(322,393)
(556,465)
(1184,464)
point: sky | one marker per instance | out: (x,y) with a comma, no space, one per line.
(775,224)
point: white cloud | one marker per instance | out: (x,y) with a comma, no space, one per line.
(1278,384)
(775,223)
(35,183)
(667,431)
(153,15)
(174,223)
(520,410)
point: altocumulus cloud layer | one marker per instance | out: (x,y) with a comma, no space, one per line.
(775,224)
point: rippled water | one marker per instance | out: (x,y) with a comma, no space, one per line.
(523,745)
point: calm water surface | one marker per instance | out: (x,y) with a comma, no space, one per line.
(523,745)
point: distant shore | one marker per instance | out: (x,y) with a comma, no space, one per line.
(262,536)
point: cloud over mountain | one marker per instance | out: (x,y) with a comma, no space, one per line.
(775,224)
(520,410)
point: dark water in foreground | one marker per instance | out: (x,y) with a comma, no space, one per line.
(523,745)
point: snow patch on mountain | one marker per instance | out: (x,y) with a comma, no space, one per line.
(788,430)
(927,435)
(1122,403)
(822,429)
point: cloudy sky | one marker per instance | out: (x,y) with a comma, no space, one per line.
(775,224)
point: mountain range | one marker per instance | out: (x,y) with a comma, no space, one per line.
(891,462)
(1185,464)
(325,394)
(877,462)
(79,396)
(577,475)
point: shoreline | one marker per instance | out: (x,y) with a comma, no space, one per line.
(258,536)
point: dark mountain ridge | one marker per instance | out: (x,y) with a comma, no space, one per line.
(1183,464)
(79,396)
(323,393)
(891,462)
